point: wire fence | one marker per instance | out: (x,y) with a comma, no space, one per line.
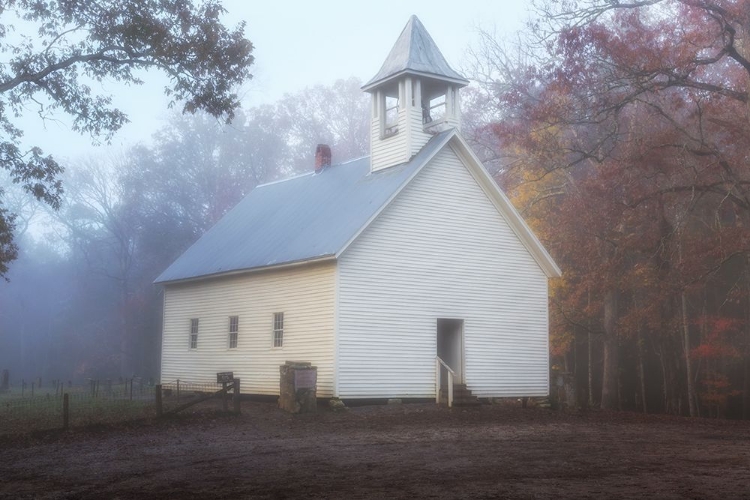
(24,410)
(28,407)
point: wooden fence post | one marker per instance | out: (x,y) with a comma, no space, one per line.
(224,400)
(236,396)
(158,400)
(66,411)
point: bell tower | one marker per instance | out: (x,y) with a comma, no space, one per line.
(415,95)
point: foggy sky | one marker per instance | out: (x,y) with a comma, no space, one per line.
(297,44)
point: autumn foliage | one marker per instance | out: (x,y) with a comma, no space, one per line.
(625,132)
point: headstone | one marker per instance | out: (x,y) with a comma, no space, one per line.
(5,384)
(563,390)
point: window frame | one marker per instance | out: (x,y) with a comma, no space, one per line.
(390,102)
(277,338)
(390,126)
(194,329)
(234,332)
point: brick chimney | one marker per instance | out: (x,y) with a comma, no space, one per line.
(322,157)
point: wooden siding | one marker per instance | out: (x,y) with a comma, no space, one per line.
(389,151)
(306,296)
(418,136)
(440,250)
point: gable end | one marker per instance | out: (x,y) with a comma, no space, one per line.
(505,207)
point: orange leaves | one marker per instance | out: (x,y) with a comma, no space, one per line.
(625,145)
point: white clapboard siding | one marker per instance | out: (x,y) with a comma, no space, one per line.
(441,250)
(418,137)
(306,296)
(389,151)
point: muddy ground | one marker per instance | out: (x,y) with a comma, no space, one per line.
(405,451)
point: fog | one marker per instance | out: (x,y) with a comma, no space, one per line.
(80,302)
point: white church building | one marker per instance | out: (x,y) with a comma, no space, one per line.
(385,272)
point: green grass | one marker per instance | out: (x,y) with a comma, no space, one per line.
(42,412)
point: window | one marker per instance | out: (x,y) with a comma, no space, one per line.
(278,329)
(234,328)
(194,333)
(434,109)
(390,123)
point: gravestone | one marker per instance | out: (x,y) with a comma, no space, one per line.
(563,390)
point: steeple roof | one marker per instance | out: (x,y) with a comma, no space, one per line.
(415,52)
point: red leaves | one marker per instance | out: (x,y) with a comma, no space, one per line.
(627,139)
(719,338)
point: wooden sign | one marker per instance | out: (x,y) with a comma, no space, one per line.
(224,377)
(305,379)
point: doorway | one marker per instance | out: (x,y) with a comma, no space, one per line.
(450,347)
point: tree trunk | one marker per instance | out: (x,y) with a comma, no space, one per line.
(692,407)
(590,371)
(611,366)
(746,350)
(665,389)
(125,371)
(641,372)
(590,358)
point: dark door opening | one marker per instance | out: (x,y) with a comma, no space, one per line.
(450,347)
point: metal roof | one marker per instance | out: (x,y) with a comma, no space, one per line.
(304,218)
(415,52)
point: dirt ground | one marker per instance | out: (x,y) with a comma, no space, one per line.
(397,451)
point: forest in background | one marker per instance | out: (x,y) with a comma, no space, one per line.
(624,137)
(80,302)
(619,131)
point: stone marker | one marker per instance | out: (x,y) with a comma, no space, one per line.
(298,387)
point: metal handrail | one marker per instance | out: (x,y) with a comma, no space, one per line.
(451,374)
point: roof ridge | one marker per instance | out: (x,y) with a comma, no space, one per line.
(278,181)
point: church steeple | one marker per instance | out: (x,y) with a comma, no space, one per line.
(414,95)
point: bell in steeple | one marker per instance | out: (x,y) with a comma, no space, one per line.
(414,96)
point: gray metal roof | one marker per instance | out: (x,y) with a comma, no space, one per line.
(415,52)
(304,218)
